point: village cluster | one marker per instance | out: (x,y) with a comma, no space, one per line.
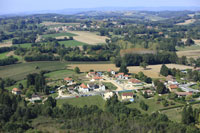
(126,87)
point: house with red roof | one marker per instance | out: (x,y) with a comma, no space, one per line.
(120,76)
(84,88)
(68,80)
(91,74)
(97,78)
(16,91)
(127,95)
(173,87)
(135,81)
(111,71)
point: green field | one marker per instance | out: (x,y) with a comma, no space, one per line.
(3,55)
(60,74)
(110,86)
(72,43)
(81,101)
(59,34)
(16,85)
(193,47)
(24,45)
(19,71)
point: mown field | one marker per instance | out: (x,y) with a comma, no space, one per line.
(72,43)
(89,37)
(19,71)
(63,34)
(82,101)
(152,71)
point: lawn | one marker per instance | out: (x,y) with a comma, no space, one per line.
(3,55)
(60,74)
(59,34)
(81,101)
(173,114)
(19,71)
(24,45)
(109,86)
(16,85)
(72,43)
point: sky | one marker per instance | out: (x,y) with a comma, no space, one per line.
(17,6)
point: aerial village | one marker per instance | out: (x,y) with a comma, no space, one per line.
(125,87)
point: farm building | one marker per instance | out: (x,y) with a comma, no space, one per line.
(135,81)
(173,87)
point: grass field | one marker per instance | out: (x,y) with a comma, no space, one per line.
(19,71)
(110,86)
(59,35)
(152,71)
(173,114)
(81,101)
(3,55)
(24,45)
(72,43)
(190,53)
(88,37)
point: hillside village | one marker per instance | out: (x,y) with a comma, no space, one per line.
(127,88)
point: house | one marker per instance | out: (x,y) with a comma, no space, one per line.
(111,71)
(96,78)
(83,88)
(92,86)
(68,80)
(102,87)
(35,98)
(91,74)
(127,96)
(171,80)
(183,93)
(16,91)
(108,95)
(119,76)
(149,92)
(126,77)
(173,87)
(135,81)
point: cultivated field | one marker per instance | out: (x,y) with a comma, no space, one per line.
(152,71)
(55,24)
(6,44)
(189,53)
(190,21)
(88,37)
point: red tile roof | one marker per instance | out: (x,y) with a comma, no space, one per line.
(126,75)
(173,86)
(83,86)
(135,81)
(127,94)
(183,93)
(16,89)
(67,79)
(97,78)
(120,73)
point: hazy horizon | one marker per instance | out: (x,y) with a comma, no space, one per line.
(18,6)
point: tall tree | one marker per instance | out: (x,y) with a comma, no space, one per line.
(164,70)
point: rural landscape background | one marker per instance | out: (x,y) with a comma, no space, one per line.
(100,66)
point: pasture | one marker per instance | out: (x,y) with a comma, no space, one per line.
(82,101)
(72,43)
(19,71)
(62,34)
(89,37)
(189,53)
(151,71)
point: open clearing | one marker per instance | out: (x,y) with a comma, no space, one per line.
(82,101)
(19,71)
(152,71)
(89,37)
(62,34)
(6,44)
(190,21)
(72,43)
(189,53)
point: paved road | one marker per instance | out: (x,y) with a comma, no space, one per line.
(186,87)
